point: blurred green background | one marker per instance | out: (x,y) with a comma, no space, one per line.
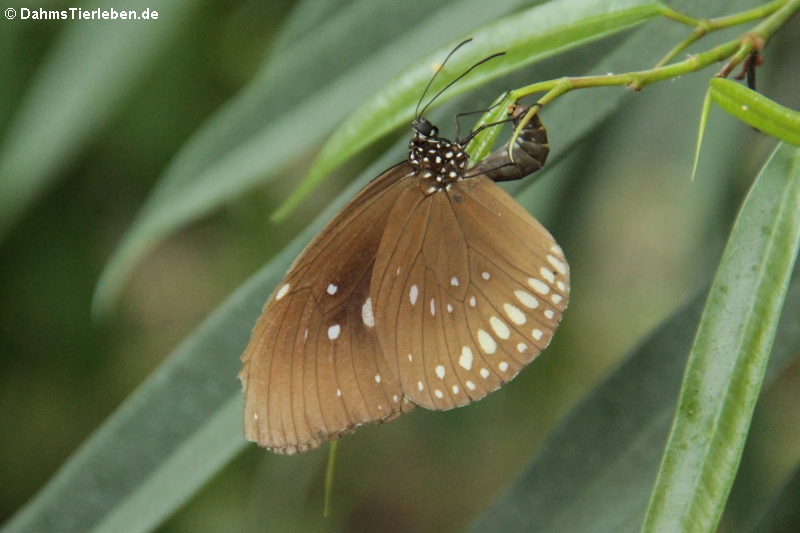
(640,237)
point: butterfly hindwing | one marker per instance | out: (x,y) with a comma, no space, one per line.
(470,287)
(313,368)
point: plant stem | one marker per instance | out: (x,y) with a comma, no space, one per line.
(705,26)
(326,510)
(757,39)
(778,13)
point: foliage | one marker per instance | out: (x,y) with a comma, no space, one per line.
(162,148)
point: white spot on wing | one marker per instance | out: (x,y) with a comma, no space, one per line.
(499,327)
(449,308)
(440,371)
(485,275)
(484,373)
(556,298)
(549,314)
(420,386)
(255,416)
(332,289)
(557,249)
(472,301)
(465,360)
(561,286)
(516,316)
(521,347)
(333,331)
(282,292)
(377,378)
(470,385)
(503,366)
(433,308)
(538,285)
(338,392)
(413,294)
(410,358)
(486,341)
(455,389)
(560,266)
(528,300)
(537,334)
(546,274)
(366,313)
(438,393)
(394,398)
(454,281)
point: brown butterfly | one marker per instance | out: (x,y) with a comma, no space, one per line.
(431,287)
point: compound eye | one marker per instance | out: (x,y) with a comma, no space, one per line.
(424,127)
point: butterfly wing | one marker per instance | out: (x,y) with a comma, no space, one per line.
(467,289)
(313,369)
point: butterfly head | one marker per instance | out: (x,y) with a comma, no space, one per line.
(423,128)
(438,162)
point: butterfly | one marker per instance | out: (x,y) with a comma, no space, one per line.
(432,287)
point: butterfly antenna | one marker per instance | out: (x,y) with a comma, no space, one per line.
(470,69)
(462,43)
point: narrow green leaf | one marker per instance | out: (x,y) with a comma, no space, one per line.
(178,428)
(190,464)
(757,110)
(88,74)
(302,92)
(526,37)
(702,129)
(729,355)
(483,142)
(596,469)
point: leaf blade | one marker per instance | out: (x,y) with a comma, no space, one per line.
(596,469)
(757,110)
(255,136)
(730,353)
(85,78)
(527,37)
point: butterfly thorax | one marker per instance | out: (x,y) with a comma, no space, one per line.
(438,162)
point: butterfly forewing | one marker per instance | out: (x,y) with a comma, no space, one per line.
(314,369)
(470,287)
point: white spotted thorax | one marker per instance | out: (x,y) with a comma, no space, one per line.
(438,162)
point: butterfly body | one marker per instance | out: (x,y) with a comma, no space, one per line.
(432,287)
(436,161)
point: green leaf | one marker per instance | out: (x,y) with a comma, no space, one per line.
(596,470)
(482,144)
(701,129)
(178,427)
(729,355)
(527,37)
(757,110)
(300,94)
(88,74)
